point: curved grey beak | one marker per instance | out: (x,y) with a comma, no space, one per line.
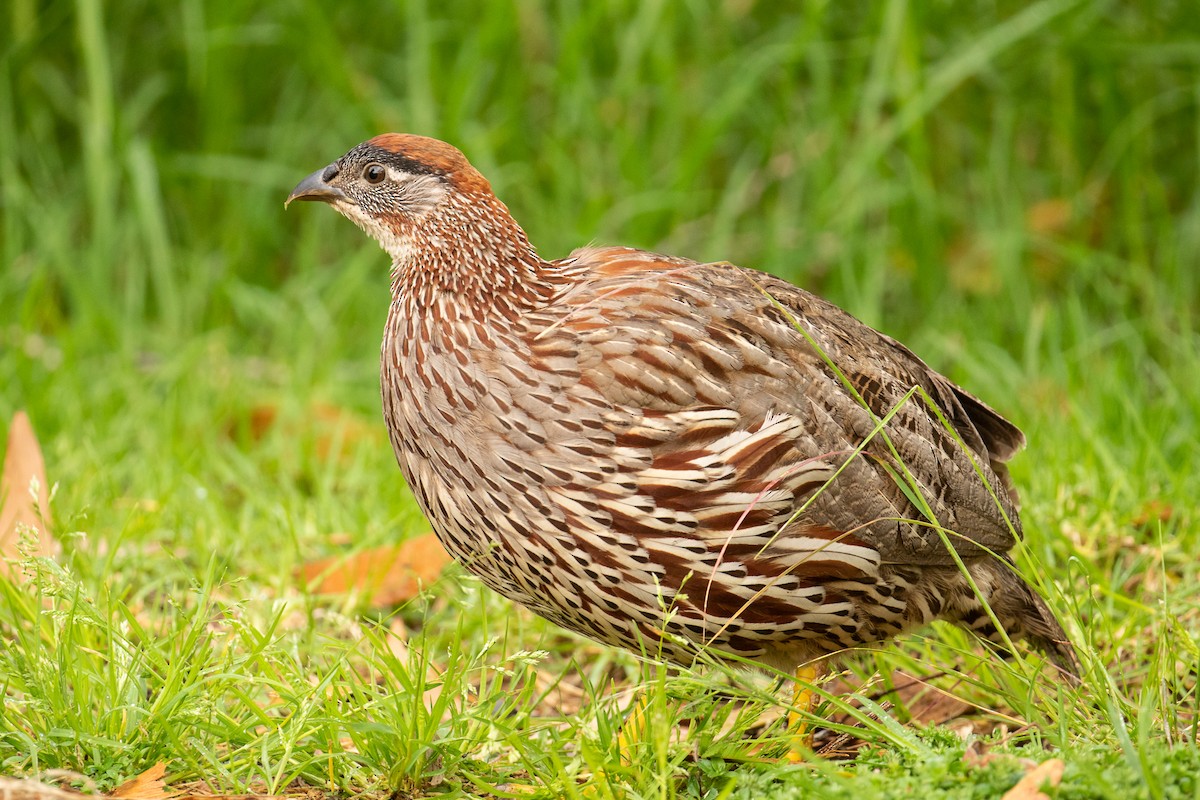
(316,187)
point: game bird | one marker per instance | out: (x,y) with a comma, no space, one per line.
(667,455)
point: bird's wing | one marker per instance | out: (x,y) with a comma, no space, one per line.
(724,393)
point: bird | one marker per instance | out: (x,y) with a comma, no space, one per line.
(673,456)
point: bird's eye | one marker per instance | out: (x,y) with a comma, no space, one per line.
(374,173)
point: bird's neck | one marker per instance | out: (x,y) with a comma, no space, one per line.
(473,257)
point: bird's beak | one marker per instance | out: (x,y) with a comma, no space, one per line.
(314,187)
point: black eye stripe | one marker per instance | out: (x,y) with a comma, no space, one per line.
(368,153)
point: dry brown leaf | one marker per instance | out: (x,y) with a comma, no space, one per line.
(1048,773)
(1153,512)
(147,786)
(336,431)
(1047,217)
(927,704)
(389,575)
(262,417)
(17,789)
(977,754)
(23,465)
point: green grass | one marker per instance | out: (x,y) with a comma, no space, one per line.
(1011,189)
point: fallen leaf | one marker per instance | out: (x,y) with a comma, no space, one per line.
(923,703)
(1047,217)
(335,431)
(147,786)
(388,575)
(262,417)
(1153,511)
(977,755)
(18,789)
(1048,773)
(24,493)
(926,703)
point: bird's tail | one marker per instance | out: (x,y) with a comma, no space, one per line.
(1022,613)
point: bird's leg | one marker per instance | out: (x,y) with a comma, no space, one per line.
(803,701)
(634,727)
(631,732)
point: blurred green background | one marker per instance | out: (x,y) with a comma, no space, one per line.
(1008,187)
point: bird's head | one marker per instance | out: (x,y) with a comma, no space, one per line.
(448,235)
(391,185)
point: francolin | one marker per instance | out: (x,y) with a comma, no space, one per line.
(667,455)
